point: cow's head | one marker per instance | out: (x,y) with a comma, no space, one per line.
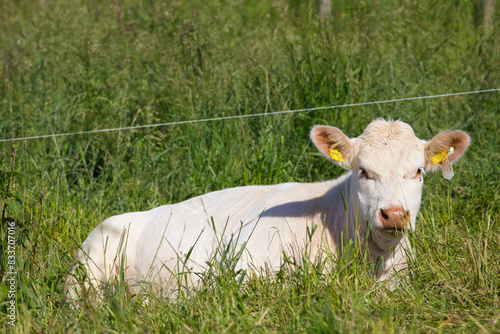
(388,164)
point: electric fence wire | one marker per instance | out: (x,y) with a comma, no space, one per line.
(247,116)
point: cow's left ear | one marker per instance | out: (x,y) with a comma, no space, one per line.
(334,144)
(447,145)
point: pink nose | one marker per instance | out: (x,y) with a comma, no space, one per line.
(394,217)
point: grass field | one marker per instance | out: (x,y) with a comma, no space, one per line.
(69,66)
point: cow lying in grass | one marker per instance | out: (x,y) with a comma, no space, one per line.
(376,203)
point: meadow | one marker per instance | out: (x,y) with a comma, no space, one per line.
(71,66)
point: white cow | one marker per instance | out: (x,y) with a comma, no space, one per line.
(376,203)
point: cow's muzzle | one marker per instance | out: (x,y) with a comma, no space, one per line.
(394,218)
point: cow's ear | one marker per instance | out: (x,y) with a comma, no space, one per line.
(334,144)
(446,146)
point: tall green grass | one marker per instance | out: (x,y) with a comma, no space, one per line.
(67,67)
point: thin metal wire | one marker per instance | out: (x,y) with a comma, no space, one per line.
(249,115)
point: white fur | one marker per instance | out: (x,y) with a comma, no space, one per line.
(152,245)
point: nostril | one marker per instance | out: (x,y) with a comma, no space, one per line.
(405,216)
(384,215)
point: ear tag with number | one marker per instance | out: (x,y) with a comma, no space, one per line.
(442,156)
(446,167)
(336,155)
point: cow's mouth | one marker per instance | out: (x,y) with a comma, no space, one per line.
(393,230)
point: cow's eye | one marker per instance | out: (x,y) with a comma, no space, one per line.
(420,173)
(363,174)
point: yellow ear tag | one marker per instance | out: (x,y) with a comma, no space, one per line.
(336,155)
(446,167)
(442,156)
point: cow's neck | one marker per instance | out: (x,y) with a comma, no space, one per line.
(390,261)
(341,219)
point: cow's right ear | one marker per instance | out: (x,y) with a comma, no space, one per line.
(334,144)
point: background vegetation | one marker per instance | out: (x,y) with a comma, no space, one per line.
(71,66)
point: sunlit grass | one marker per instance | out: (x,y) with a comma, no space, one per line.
(67,66)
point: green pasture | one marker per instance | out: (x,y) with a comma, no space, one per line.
(71,66)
